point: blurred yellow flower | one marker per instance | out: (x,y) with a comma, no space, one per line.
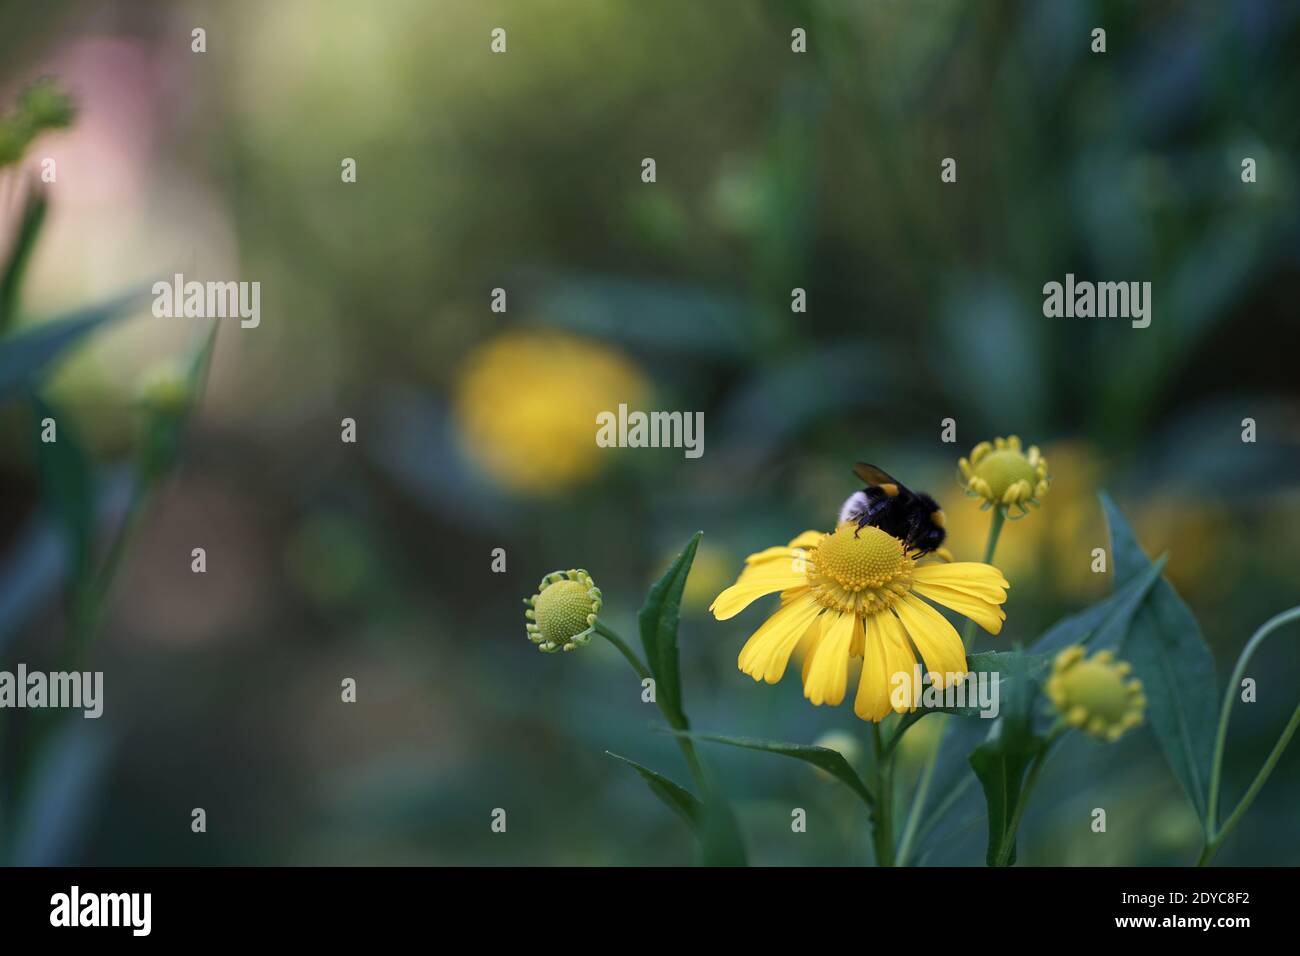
(857,593)
(526,405)
(1004,475)
(1060,544)
(1207,550)
(1095,694)
(710,572)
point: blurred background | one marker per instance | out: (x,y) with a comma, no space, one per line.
(522,171)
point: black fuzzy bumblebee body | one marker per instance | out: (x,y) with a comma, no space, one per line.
(886,503)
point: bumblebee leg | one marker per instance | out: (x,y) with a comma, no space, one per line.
(913,531)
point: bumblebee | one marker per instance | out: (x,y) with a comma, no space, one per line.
(886,503)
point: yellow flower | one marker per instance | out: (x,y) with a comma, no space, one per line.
(710,572)
(857,593)
(1095,694)
(1003,475)
(527,402)
(562,614)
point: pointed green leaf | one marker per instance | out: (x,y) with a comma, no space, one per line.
(831,761)
(1001,760)
(26,353)
(1007,668)
(1104,624)
(711,821)
(1001,772)
(721,842)
(678,799)
(1170,657)
(658,620)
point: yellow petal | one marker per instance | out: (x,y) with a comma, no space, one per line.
(828,674)
(798,549)
(742,594)
(771,554)
(858,646)
(898,659)
(970,576)
(872,700)
(807,647)
(934,637)
(984,613)
(809,539)
(766,653)
(773,570)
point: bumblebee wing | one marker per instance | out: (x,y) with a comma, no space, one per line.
(879,478)
(872,475)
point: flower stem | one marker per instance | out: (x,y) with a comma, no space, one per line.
(685,743)
(914,815)
(1215,835)
(641,670)
(999,517)
(882,818)
(990,546)
(1009,838)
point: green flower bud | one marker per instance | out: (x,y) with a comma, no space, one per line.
(562,614)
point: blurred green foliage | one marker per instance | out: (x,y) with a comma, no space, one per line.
(521,171)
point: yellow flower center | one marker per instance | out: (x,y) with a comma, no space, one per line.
(862,570)
(1003,468)
(1098,688)
(563,609)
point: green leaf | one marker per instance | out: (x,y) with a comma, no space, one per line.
(678,799)
(67,483)
(1104,624)
(711,821)
(831,761)
(1008,668)
(1170,657)
(1001,772)
(11,278)
(27,352)
(1001,760)
(658,619)
(721,843)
